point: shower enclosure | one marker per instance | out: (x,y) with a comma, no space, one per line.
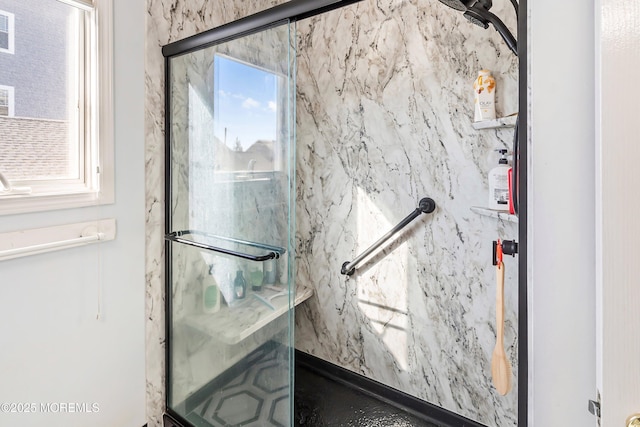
(229,230)
(229,213)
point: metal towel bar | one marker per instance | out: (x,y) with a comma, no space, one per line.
(16,244)
(426,205)
(274,252)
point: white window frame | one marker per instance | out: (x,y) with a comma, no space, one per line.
(10,93)
(12,32)
(97,185)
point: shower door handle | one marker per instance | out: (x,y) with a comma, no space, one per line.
(273,252)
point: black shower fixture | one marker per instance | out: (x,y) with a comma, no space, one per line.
(477,12)
(459,4)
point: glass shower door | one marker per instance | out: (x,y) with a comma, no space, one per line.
(229,231)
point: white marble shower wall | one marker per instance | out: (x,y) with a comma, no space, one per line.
(384,110)
(385,106)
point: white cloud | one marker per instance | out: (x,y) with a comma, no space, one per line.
(250,103)
(272,106)
(223,93)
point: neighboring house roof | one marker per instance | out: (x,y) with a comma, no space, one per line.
(33,148)
(258,157)
(38,148)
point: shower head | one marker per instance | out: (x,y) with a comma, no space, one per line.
(477,12)
(460,5)
(476,19)
(482,17)
(463,5)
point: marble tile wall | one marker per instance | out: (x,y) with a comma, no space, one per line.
(384,115)
(383,119)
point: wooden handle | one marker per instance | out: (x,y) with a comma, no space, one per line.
(500,366)
(500,303)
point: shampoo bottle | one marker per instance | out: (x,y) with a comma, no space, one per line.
(499,184)
(269,272)
(485,96)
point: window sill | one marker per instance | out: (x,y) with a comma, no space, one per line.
(23,203)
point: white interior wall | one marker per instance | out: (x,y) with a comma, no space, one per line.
(53,348)
(561,213)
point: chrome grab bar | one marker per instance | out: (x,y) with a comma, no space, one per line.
(426,205)
(274,251)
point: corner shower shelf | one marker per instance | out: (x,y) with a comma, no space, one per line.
(233,324)
(495,214)
(499,123)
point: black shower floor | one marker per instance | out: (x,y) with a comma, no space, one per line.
(321,401)
(256,395)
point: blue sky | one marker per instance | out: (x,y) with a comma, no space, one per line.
(245,102)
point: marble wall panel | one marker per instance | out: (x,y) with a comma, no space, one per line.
(385,105)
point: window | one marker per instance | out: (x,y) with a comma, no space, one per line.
(6,32)
(6,101)
(56,117)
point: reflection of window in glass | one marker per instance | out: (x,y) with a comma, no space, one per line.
(6,32)
(246,116)
(6,101)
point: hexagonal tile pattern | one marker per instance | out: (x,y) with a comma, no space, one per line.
(238,409)
(279,414)
(272,378)
(257,397)
(239,380)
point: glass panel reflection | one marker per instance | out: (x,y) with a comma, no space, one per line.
(246,94)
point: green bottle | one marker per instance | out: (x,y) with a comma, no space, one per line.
(211,293)
(255,276)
